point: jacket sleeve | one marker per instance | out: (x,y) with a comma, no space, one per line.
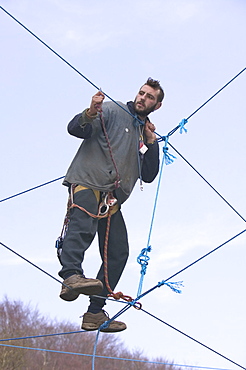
(80,126)
(150,164)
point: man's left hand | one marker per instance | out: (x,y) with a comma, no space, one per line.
(149,129)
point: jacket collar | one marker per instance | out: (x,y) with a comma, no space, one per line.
(130,106)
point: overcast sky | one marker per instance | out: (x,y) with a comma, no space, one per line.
(193,47)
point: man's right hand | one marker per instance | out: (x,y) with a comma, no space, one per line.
(96,103)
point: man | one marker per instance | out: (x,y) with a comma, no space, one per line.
(118,148)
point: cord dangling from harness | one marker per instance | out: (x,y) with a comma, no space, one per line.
(118,295)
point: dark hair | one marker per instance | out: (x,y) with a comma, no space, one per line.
(156,85)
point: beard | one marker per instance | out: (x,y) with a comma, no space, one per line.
(144,112)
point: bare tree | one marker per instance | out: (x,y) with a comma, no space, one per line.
(18,320)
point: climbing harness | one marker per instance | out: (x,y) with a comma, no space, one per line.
(108,200)
(107,207)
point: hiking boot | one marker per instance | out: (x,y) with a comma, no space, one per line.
(80,285)
(92,321)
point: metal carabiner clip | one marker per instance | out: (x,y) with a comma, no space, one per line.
(103,207)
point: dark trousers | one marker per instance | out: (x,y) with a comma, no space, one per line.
(80,234)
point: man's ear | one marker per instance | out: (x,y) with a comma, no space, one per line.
(158,105)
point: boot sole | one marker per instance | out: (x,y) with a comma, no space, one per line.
(71,295)
(68,298)
(91,327)
(89,290)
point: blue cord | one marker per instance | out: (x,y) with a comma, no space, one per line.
(143,257)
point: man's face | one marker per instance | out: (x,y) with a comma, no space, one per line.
(146,101)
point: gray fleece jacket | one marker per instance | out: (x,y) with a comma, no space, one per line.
(93,167)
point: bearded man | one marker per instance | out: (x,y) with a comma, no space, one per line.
(119,147)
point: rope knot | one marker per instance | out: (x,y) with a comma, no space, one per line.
(181,125)
(143,259)
(120,295)
(169,158)
(127,298)
(116,296)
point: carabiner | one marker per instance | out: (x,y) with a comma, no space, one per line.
(103,207)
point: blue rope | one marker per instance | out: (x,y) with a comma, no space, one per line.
(185,120)
(119,313)
(33,264)
(105,325)
(168,157)
(198,173)
(65,61)
(195,340)
(42,336)
(98,88)
(143,258)
(36,187)
(111,358)
(176,285)
(181,124)
(207,254)
(94,351)
(222,88)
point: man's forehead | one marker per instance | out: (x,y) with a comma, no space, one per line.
(150,90)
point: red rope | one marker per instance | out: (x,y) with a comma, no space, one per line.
(117,181)
(118,295)
(88,213)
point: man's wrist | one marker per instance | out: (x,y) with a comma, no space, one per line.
(89,115)
(151,141)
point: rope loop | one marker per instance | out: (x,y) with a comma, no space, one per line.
(127,298)
(181,125)
(137,305)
